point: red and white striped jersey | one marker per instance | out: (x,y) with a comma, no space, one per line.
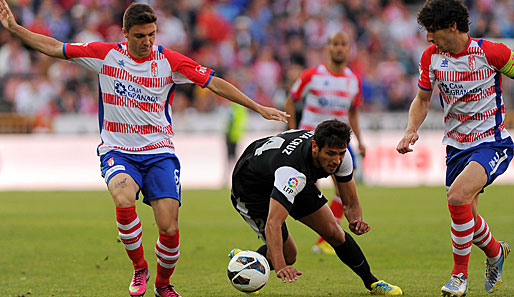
(470,91)
(327,95)
(135,95)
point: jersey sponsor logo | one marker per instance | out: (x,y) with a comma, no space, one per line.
(455,89)
(154,69)
(290,147)
(130,91)
(201,69)
(110,162)
(292,182)
(472,63)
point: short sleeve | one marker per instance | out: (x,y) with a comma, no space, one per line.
(499,56)
(186,70)
(299,86)
(88,55)
(345,171)
(288,183)
(424,81)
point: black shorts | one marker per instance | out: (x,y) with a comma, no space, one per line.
(254,208)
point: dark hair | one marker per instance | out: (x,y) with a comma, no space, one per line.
(333,133)
(138,14)
(442,14)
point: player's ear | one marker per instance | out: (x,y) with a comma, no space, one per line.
(315,147)
(125,33)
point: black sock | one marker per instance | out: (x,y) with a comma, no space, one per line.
(263,250)
(351,255)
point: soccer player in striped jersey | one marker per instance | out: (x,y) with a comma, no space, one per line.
(329,91)
(468,73)
(137,80)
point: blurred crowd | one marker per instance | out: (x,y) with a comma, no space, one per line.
(259,45)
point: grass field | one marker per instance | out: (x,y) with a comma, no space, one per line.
(65,244)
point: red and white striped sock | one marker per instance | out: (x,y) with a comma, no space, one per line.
(130,231)
(485,240)
(337,208)
(167,251)
(463,226)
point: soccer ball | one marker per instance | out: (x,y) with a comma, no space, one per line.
(248,271)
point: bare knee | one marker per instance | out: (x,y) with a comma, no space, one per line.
(457,197)
(169,230)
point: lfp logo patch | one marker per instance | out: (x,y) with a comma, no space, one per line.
(292,182)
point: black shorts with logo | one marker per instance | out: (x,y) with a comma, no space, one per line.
(254,208)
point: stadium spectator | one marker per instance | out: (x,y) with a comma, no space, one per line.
(295,30)
(136,83)
(327,91)
(288,166)
(478,147)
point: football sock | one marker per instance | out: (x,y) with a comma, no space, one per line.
(263,250)
(483,238)
(130,232)
(167,251)
(351,255)
(463,226)
(337,208)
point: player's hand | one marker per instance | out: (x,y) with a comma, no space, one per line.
(288,273)
(270,113)
(362,149)
(6,16)
(409,138)
(358,227)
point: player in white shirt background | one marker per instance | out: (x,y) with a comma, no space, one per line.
(468,73)
(329,90)
(137,80)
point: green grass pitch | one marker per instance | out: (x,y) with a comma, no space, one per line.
(65,244)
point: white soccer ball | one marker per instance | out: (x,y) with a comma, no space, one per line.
(248,271)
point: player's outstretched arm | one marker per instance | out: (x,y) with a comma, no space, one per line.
(44,44)
(352,207)
(353,118)
(225,89)
(417,113)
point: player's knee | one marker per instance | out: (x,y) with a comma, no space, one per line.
(457,197)
(169,230)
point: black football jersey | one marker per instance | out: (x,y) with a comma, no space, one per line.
(280,167)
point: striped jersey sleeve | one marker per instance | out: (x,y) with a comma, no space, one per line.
(186,70)
(300,85)
(89,55)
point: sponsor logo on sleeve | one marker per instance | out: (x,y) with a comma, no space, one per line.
(110,162)
(201,69)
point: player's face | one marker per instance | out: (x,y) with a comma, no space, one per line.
(338,48)
(140,39)
(444,39)
(327,158)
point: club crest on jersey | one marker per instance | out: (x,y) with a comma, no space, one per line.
(292,182)
(154,69)
(472,63)
(110,162)
(201,69)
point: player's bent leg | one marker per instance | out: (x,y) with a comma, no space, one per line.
(123,190)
